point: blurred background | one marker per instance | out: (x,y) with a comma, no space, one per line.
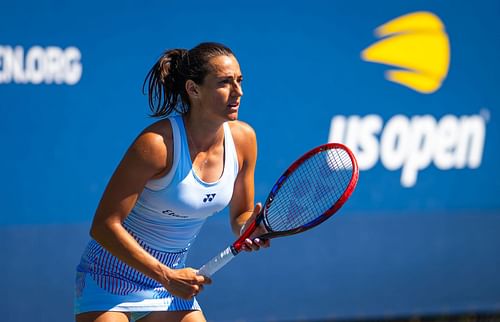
(411,86)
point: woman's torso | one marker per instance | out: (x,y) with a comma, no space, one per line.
(171,210)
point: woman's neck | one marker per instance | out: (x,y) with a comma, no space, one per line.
(202,133)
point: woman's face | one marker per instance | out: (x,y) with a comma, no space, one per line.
(220,93)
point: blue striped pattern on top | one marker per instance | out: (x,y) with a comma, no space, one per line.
(116,277)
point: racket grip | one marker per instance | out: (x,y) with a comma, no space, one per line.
(217,262)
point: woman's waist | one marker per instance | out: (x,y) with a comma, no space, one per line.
(168,235)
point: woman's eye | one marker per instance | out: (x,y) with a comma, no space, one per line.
(230,81)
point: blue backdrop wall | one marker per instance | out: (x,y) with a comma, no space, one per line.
(420,234)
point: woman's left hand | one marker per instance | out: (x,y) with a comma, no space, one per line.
(253,242)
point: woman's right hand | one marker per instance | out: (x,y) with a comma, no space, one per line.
(184,283)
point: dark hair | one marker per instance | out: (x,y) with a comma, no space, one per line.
(166,80)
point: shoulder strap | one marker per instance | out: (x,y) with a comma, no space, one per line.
(162,183)
(230,147)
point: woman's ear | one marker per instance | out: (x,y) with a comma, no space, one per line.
(192,89)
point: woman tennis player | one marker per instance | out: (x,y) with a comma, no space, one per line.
(180,170)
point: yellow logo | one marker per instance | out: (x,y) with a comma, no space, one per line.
(417,43)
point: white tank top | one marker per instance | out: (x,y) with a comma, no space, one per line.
(170,211)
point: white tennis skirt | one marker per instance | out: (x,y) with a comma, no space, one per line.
(104,283)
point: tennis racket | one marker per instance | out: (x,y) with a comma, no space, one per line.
(310,191)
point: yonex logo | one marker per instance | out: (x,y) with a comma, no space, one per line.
(209,197)
(417,43)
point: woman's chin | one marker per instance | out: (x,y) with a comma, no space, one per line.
(232,116)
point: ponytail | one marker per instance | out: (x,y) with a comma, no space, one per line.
(165,84)
(166,80)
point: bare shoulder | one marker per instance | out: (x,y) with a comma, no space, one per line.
(242,132)
(152,145)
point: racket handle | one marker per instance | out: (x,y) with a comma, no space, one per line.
(217,262)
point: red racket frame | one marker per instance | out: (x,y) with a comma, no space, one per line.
(237,245)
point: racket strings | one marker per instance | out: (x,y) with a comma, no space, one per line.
(311,190)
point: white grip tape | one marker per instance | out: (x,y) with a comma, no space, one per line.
(216,263)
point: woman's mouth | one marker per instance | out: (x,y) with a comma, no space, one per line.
(234,106)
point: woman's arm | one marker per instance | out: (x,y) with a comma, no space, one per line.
(242,208)
(145,159)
